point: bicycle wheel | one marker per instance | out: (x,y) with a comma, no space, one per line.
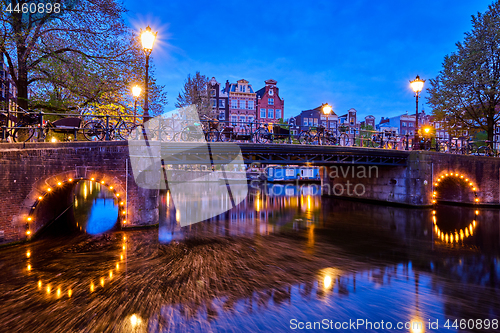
(305,138)
(93,131)
(344,139)
(212,136)
(262,135)
(125,129)
(23,134)
(328,139)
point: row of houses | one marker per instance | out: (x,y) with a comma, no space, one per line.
(238,102)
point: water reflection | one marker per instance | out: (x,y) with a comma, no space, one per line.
(95,207)
(273,259)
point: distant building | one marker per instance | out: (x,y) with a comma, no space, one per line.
(242,100)
(313,118)
(270,107)
(218,100)
(8,91)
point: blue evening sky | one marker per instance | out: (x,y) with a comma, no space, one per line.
(352,54)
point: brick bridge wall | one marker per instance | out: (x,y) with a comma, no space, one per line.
(28,170)
(414,184)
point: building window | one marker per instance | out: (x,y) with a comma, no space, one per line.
(234,119)
(250,105)
(250,119)
(323,123)
(243,119)
(222,116)
(222,103)
(332,124)
(214,102)
(242,104)
(305,121)
(212,92)
(243,88)
(270,101)
(262,113)
(234,104)
(270,113)
(403,124)
(278,113)
(315,121)
(410,124)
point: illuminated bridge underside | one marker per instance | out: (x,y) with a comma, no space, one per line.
(186,153)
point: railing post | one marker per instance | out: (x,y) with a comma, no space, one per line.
(107,127)
(40,129)
(407,139)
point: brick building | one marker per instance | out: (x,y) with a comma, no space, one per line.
(219,100)
(270,107)
(242,100)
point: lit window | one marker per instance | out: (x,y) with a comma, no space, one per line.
(262,113)
(270,113)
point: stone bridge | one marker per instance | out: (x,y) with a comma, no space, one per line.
(37,179)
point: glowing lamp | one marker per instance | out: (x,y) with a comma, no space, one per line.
(148,38)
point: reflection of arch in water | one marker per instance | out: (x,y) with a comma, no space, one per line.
(123,211)
(59,290)
(458,235)
(454,176)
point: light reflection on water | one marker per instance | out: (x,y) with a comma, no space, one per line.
(276,257)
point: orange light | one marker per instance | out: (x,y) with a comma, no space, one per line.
(49,189)
(433,201)
(91,286)
(117,194)
(124,237)
(29,267)
(473,188)
(435,184)
(124,212)
(123,247)
(470,184)
(70,292)
(39,284)
(48,289)
(466,179)
(92,179)
(102,182)
(117,266)
(58,292)
(70,180)
(29,218)
(110,274)
(111,187)
(121,203)
(121,257)
(477,199)
(124,221)
(28,254)
(102,282)
(474,223)
(433,212)
(28,232)
(59,183)
(477,212)
(462,176)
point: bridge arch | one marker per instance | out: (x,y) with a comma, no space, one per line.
(65,182)
(456,177)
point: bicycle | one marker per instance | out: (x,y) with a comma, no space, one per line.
(23,129)
(319,135)
(97,129)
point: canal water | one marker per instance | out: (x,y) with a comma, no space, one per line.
(285,259)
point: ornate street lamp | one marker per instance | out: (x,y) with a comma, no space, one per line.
(147,38)
(327,109)
(416,85)
(136,92)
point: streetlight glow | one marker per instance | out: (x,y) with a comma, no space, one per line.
(327,109)
(417,85)
(136,91)
(148,38)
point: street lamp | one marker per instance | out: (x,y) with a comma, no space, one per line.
(136,92)
(147,38)
(416,85)
(327,109)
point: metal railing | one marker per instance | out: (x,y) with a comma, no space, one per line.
(22,126)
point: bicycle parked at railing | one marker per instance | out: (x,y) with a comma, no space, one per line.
(269,133)
(97,129)
(321,136)
(24,127)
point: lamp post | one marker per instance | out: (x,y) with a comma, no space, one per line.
(327,109)
(147,38)
(416,85)
(136,92)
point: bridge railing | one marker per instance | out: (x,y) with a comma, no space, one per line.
(22,126)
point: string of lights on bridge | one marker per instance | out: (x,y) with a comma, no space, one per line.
(122,203)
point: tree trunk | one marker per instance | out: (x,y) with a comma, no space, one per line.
(491,130)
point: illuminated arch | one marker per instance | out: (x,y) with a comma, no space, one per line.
(53,184)
(456,175)
(454,237)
